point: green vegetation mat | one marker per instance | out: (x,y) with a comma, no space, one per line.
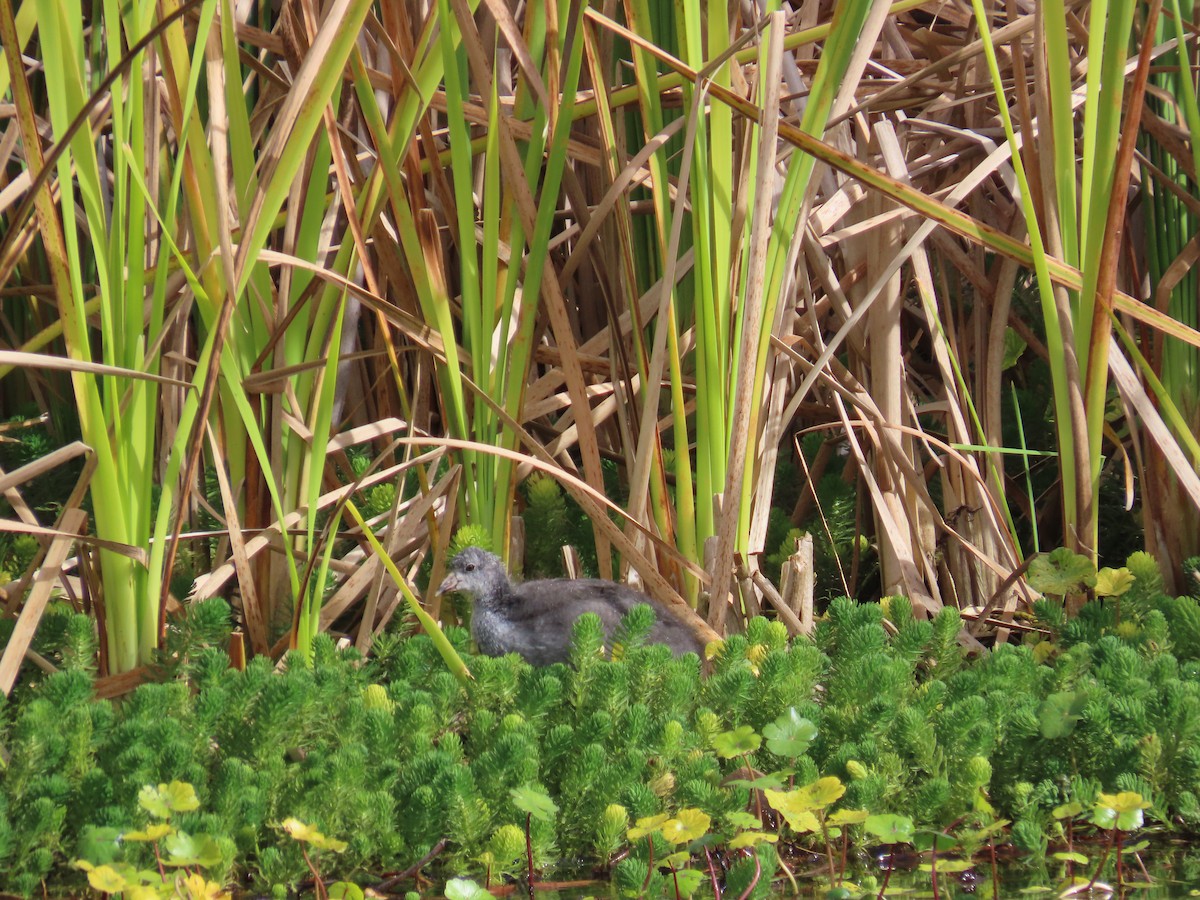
(878,715)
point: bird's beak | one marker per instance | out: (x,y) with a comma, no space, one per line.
(449,584)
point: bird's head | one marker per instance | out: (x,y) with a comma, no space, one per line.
(476,572)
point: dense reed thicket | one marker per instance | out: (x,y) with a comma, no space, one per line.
(253,254)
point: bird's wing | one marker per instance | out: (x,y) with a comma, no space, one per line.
(564,600)
(607,599)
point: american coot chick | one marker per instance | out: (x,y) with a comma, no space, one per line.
(535,618)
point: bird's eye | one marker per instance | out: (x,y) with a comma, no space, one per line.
(470,567)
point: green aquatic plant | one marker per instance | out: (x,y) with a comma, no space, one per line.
(415,767)
(307,836)
(116,866)
(1117,815)
(889,830)
(675,833)
(547,526)
(806,809)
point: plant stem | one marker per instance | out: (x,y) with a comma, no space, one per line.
(887,875)
(712,874)
(649,862)
(828,850)
(1120,868)
(790,877)
(413,870)
(757,793)
(933,867)
(1141,865)
(1103,859)
(318,884)
(529,849)
(995,870)
(162,872)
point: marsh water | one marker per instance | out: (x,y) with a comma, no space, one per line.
(1173,870)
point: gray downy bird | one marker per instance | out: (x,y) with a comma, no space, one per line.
(535,618)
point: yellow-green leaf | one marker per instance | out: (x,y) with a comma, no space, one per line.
(821,792)
(107,880)
(299,830)
(674,861)
(750,838)
(345,890)
(1060,572)
(151,833)
(647,825)
(686,881)
(333,845)
(1113,582)
(948,865)
(1072,856)
(183,849)
(687,825)
(180,795)
(738,742)
(310,835)
(848,817)
(795,808)
(161,801)
(535,801)
(1125,801)
(739,818)
(153,802)
(1067,810)
(195,887)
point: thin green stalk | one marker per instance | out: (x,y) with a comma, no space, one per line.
(1061,384)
